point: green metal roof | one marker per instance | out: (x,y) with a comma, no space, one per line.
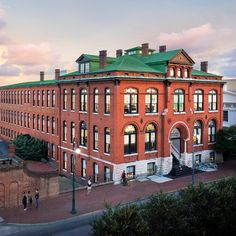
(31,83)
(161,56)
(129,63)
(202,73)
(96,58)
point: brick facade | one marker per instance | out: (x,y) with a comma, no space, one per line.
(165,119)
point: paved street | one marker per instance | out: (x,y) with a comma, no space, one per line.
(58,208)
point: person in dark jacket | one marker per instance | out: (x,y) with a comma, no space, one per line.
(24,201)
(36,198)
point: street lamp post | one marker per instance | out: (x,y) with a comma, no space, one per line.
(77,151)
(193,160)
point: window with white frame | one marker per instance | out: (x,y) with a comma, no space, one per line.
(83,167)
(211,131)
(179,105)
(198,132)
(131,101)
(150,138)
(95,137)
(151,101)
(198,100)
(64,164)
(130,170)
(83,100)
(83,134)
(130,140)
(212,100)
(107,140)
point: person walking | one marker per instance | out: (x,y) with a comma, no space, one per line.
(29,199)
(37,198)
(24,201)
(89,186)
(123,177)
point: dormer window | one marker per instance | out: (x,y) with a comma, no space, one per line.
(84,67)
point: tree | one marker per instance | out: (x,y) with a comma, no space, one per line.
(29,148)
(226,141)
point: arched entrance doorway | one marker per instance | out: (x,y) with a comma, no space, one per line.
(175,142)
(178,137)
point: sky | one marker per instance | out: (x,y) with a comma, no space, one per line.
(48,34)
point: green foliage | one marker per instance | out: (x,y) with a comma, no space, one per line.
(121,221)
(226,141)
(29,148)
(198,211)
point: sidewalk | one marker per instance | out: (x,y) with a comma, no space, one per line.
(58,208)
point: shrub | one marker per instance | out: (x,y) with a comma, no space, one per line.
(29,148)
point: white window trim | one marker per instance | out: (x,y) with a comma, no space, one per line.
(132,154)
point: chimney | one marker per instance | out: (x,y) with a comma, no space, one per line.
(119,53)
(204,66)
(162,48)
(41,76)
(57,74)
(102,59)
(145,49)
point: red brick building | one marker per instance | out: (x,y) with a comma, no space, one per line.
(134,112)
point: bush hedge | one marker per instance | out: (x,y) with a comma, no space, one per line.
(199,211)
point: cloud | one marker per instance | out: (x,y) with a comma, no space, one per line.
(31,54)
(24,60)
(9,70)
(205,42)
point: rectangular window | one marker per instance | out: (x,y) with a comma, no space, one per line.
(107,174)
(83,168)
(107,101)
(130,170)
(198,158)
(53,98)
(64,164)
(53,151)
(48,98)
(151,168)
(212,156)
(53,125)
(226,116)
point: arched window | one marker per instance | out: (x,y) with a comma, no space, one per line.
(212,100)
(83,100)
(179,100)
(131,101)
(211,131)
(107,101)
(179,72)
(83,134)
(150,138)
(107,140)
(186,73)
(198,100)
(151,101)
(95,137)
(64,99)
(172,72)
(95,101)
(72,106)
(130,139)
(72,132)
(198,132)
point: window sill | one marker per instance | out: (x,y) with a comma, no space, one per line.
(132,154)
(154,151)
(83,112)
(95,113)
(95,150)
(212,143)
(64,141)
(212,111)
(134,114)
(64,170)
(107,154)
(198,111)
(72,111)
(198,145)
(83,147)
(152,114)
(180,113)
(64,109)
(107,114)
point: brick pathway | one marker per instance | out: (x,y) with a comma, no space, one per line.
(59,207)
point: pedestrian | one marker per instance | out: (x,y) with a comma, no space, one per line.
(123,177)
(24,201)
(89,186)
(29,199)
(37,198)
